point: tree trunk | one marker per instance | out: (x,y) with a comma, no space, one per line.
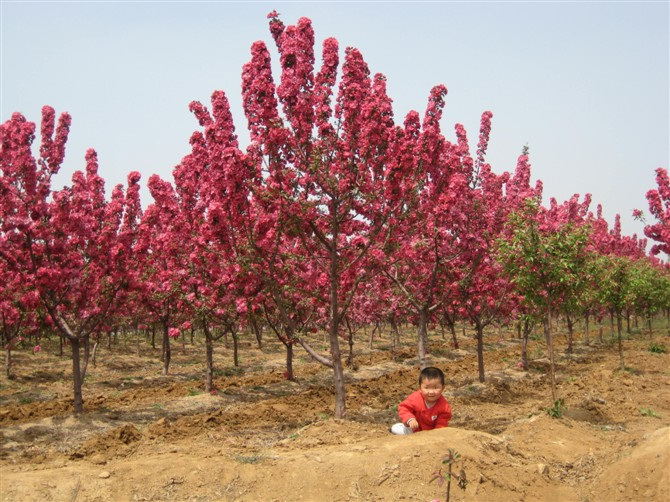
(586,329)
(600,330)
(350,357)
(338,371)
(395,334)
(372,333)
(87,355)
(95,353)
(619,329)
(454,339)
(333,332)
(289,361)
(550,353)
(423,337)
(236,347)
(76,376)
(570,333)
(167,353)
(257,331)
(611,325)
(8,362)
(524,343)
(209,358)
(480,351)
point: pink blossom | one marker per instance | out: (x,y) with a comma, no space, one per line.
(241,306)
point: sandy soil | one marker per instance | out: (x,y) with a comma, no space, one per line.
(262,438)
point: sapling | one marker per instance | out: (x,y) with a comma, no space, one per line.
(441,477)
(556,411)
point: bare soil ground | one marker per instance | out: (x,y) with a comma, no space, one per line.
(263,438)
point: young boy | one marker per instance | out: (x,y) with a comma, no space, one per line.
(426,408)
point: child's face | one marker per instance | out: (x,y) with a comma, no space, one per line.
(431,390)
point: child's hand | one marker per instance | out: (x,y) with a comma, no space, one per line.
(413,424)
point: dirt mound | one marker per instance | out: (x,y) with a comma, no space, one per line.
(121,437)
(331,461)
(642,472)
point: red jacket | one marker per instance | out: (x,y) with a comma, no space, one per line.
(434,417)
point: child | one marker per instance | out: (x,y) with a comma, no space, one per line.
(426,408)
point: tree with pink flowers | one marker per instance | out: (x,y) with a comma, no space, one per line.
(337,170)
(659,207)
(64,245)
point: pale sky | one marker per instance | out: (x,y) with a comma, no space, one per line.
(584,84)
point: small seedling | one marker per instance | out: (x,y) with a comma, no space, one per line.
(658,348)
(556,411)
(649,412)
(441,477)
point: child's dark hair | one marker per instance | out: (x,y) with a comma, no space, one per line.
(430,373)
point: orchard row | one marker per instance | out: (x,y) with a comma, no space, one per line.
(333,217)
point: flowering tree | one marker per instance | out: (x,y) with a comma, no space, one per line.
(420,252)
(659,206)
(336,169)
(163,248)
(18,307)
(64,244)
(212,195)
(483,292)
